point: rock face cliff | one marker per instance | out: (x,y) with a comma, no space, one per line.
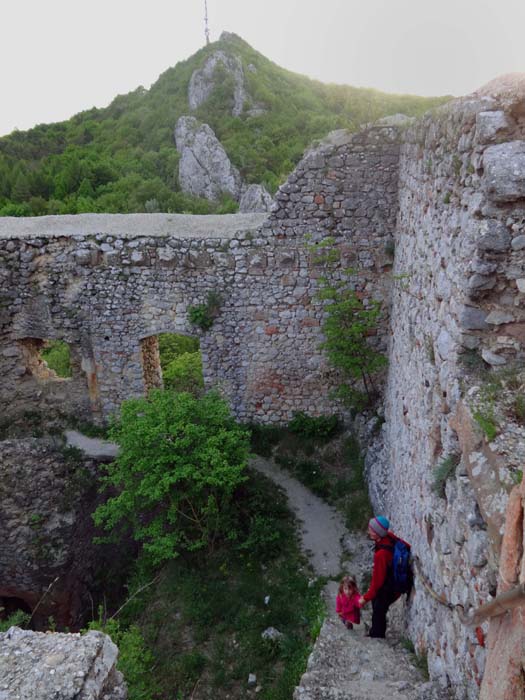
(217,68)
(204,168)
(206,171)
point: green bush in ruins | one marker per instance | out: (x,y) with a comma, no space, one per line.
(350,322)
(181,459)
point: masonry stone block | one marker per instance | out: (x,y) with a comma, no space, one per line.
(504,176)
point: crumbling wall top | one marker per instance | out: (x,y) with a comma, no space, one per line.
(131,225)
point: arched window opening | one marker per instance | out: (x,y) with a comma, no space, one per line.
(172,361)
(181,363)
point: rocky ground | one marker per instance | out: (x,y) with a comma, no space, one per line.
(347,665)
(36,666)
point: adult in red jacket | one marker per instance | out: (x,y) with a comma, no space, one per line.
(381,591)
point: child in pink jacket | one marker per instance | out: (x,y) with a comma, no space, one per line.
(347,602)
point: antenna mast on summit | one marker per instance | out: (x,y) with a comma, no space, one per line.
(206,25)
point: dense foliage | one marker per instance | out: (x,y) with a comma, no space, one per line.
(181,459)
(351,319)
(193,626)
(123,159)
(57,356)
(181,363)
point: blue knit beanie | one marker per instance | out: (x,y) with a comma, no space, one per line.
(380,525)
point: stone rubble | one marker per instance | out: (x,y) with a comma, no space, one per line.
(36,666)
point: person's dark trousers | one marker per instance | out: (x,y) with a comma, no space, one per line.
(380,605)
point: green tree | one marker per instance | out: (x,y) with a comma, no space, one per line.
(181,459)
(184,373)
(350,322)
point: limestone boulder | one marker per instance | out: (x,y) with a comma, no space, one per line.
(204,167)
(36,666)
(255,198)
(504,177)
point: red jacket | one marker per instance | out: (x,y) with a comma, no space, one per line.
(382,563)
(347,607)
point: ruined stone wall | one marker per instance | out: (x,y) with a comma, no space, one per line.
(105,294)
(47,556)
(449,192)
(458,310)
(105,284)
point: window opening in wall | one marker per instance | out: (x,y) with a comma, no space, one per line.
(172,361)
(181,363)
(47,359)
(57,356)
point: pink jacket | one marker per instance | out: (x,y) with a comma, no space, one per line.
(347,607)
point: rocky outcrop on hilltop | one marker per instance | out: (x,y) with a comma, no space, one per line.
(216,67)
(204,168)
(206,171)
(59,666)
(204,81)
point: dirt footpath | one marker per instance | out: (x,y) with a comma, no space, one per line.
(345,664)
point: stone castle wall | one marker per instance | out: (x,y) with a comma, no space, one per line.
(448,192)
(47,559)
(458,309)
(105,284)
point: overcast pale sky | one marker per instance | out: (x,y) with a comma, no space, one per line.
(59,57)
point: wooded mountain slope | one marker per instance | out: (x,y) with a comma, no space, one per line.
(123,158)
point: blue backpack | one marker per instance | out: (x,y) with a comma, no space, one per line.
(401,577)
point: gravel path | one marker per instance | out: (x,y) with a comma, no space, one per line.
(322,527)
(92,447)
(345,664)
(130,225)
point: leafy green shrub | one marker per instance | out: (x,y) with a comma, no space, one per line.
(172,345)
(444,470)
(135,660)
(181,459)
(350,321)
(203,315)
(228,205)
(185,373)
(57,356)
(17,619)
(318,427)
(264,438)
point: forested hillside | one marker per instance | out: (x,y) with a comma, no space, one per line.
(123,158)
